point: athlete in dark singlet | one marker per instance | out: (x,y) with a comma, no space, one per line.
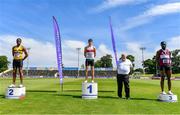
(163,60)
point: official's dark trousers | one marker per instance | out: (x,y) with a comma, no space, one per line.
(120,80)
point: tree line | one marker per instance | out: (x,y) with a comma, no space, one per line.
(3,63)
(150,64)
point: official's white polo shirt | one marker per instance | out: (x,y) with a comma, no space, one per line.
(124,67)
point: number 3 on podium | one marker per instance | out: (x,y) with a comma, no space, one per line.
(170,97)
(11,91)
(90,88)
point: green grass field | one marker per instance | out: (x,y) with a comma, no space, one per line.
(150,75)
(44,97)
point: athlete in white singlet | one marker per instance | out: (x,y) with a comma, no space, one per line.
(90,54)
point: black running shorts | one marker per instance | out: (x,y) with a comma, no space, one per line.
(89,62)
(17,63)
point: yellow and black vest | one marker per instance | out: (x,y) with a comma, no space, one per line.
(18,52)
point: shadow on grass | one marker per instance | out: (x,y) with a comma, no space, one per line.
(70,84)
(79,96)
(71,90)
(148,99)
(103,91)
(68,95)
(45,91)
(2,96)
(108,97)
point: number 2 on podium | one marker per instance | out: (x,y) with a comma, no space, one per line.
(11,91)
(90,88)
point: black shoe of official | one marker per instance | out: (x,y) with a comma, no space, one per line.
(128,98)
(119,96)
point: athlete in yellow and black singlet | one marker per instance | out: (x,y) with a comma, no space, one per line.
(19,55)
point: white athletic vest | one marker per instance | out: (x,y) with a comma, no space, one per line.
(90,52)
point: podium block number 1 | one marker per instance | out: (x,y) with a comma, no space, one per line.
(90,88)
(11,91)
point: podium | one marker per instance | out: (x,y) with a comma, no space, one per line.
(167,98)
(15,93)
(89,90)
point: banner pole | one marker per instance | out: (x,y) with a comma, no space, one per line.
(58,51)
(113,41)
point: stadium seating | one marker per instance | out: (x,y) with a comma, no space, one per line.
(67,73)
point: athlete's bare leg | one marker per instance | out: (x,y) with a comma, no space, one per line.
(168,73)
(86,73)
(21,75)
(14,75)
(92,72)
(162,80)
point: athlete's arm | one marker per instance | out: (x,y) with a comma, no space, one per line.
(13,51)
(170,56)
(94,52)
(157,58)
(25,52)
(85,52)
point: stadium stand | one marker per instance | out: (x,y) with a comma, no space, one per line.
(67,72)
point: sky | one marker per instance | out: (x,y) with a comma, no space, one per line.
(136,23)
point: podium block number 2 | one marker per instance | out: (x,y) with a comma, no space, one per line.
(90,88)
(11,91)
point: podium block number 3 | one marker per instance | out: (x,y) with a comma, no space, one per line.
(170,97)
(11,91)
(90,88)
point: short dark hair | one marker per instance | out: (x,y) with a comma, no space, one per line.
(163,43)
(18,39)
(90,40)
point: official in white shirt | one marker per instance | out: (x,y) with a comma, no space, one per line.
(123,70)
